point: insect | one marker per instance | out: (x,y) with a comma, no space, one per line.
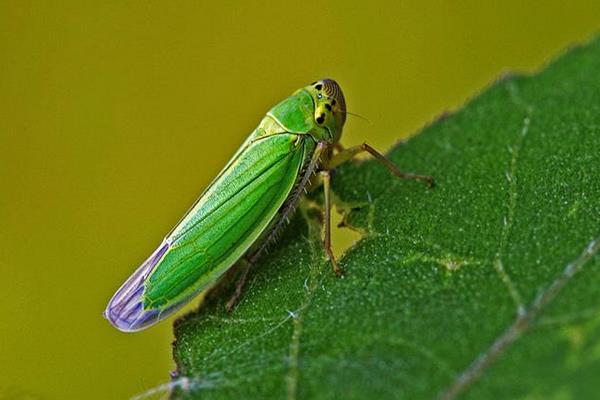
(246,205)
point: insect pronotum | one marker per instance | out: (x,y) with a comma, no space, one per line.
(245,206)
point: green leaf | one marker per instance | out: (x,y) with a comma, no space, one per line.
(487,286)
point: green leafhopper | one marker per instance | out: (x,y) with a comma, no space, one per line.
(242,210)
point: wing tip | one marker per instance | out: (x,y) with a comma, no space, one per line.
(125,310)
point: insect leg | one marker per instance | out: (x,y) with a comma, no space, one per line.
(349,153)
(241,282)
(251,258)
(326,176)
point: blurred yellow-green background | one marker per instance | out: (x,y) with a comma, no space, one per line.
(115,115)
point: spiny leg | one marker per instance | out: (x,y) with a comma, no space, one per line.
(326,176)
(251,258)
(248,261)
(349,153)
(241,282)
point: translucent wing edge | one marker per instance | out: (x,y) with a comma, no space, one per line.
(125,310)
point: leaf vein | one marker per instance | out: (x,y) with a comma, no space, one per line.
(511,177)
(310,284)
(520,324)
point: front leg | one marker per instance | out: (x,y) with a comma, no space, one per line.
(326,177)
(347,154)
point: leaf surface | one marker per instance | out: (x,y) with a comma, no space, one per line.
(487,286)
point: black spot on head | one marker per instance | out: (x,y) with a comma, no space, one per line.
(328,107)
(333,102)
(321,119)
(319,86)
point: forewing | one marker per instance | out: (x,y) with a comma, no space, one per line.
(215,233)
